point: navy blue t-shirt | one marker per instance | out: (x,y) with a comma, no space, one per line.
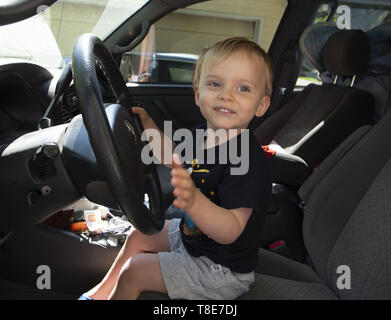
(251,189)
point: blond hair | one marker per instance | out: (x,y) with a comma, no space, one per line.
(223,49)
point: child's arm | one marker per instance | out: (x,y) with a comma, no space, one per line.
(222,225)
(158,150)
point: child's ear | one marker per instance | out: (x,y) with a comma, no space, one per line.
(196,95)
(263,106)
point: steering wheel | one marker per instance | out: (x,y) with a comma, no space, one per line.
(115,136)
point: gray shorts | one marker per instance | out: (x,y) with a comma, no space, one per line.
(196,278)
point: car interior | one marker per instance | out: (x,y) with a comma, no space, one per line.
(62,139)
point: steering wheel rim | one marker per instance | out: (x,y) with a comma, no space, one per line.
(118,154)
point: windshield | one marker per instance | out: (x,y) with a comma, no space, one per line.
(48,37)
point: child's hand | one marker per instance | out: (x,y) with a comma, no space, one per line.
(146,120)
(185,190)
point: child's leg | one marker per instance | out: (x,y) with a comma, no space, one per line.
(140,273)
(134,244)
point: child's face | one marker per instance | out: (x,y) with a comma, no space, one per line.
(232,91)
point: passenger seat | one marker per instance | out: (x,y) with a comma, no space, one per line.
(320,117)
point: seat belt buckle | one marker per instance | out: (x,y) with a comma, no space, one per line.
(282,90)
(277,245)
(270,153)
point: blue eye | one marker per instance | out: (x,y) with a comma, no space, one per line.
(244,89)
(214,84)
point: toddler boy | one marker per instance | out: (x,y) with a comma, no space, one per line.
(211,252)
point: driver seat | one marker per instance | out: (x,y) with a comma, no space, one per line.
(346,228)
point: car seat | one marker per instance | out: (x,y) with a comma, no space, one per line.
(318,119)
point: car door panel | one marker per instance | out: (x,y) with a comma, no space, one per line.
(168,103)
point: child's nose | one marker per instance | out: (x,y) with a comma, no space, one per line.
(226,94)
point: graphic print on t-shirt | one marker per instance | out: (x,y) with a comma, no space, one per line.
(189,227)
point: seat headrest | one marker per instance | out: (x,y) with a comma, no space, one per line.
(346,53)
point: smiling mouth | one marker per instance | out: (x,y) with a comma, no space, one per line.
(223,110)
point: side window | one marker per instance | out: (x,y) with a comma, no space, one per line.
(170,50)
(347,15)
(308,74)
